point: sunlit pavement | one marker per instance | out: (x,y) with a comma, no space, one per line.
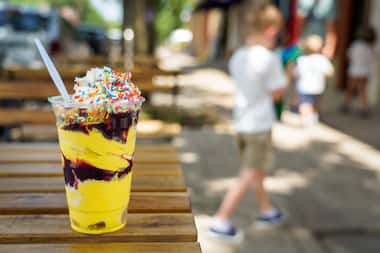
(327,181)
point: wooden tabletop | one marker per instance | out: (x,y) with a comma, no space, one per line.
(34,216)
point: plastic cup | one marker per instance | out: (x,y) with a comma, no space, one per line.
(97,150)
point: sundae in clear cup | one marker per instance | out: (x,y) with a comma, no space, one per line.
(97,134)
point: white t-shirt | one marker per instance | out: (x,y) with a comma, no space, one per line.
(311,71)
(257,71)
(361,57)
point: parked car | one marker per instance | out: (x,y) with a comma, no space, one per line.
(18,28)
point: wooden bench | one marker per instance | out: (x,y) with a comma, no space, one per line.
(18,73)
(35,84)
(33,209)
(40,125)
(143,76)
(44,88)
(139,60)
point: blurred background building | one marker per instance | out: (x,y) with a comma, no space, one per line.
(209,30)
(217,30)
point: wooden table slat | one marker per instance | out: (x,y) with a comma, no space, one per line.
(163,227)
(183,247)
(43,147)
(55,157)
(55,203)
(56,184)
(55,169)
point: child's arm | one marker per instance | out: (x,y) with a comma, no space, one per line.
(329,68)
(278,80)
(278,93)
(330,72)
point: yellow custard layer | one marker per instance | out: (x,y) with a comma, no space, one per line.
(96,150)
(97,206)
(99,196)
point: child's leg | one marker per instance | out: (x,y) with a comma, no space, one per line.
(362,87)
(307,111)
(235,194)
(316,103)
(316,108)
(350,91)
(305,104)
(261,195)
(255,152)
(248,178)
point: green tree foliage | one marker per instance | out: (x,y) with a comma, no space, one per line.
(168,16)
(90,16)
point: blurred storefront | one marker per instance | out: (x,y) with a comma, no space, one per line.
(351,16)
(218,24)
(374,86)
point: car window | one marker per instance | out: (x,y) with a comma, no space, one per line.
(28,22)
(3,18)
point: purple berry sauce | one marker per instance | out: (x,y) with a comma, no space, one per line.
(81,171)
(114,127)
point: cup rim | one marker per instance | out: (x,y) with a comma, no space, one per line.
(58,100)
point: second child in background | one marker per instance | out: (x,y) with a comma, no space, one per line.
(311,71)
(361,54)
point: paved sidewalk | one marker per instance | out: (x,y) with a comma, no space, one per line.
(365,130)
(328,182)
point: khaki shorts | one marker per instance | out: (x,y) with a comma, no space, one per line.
(255,150)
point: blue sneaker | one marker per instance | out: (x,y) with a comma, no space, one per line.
(269,221)
(231,235)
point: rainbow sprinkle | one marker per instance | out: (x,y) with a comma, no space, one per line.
(104,86)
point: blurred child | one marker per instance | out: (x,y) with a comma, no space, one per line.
(360,54)
(259,78)
(311,69)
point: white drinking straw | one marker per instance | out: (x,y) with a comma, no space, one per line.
(52,71)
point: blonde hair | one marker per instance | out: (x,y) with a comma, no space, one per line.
(260,18)
(313,44)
